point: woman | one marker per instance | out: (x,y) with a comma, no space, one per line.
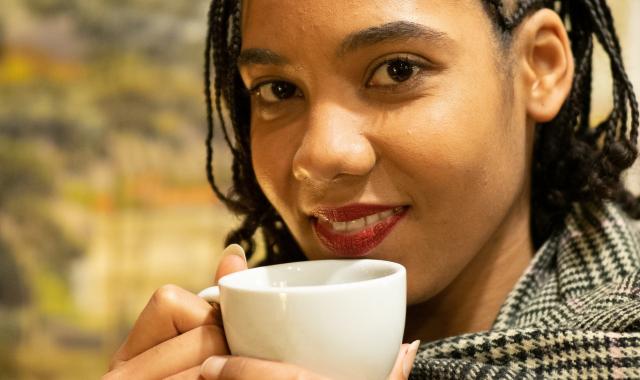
(452,137)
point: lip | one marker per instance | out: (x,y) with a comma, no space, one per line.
(355,244)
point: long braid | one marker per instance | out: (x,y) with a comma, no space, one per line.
(620,148)
(207,90)
(585,72)
(573,162)
(222,61)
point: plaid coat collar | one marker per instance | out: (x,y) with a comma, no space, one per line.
(574,313)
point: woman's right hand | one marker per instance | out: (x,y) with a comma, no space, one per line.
(176,332)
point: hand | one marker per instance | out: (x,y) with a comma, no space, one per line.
(242,368)
(175,332)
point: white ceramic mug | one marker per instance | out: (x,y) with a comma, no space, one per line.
(339,318)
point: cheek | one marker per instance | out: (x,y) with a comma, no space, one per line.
(444,147)
(272,150)
(462,142)
(460,161)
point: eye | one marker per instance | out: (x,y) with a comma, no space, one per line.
(276,91)
(393,72)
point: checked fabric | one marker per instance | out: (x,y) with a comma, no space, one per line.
(574,313)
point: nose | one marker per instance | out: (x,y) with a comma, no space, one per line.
(334,145)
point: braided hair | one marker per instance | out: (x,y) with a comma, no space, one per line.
(573,162)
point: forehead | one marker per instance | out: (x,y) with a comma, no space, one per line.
(318,23)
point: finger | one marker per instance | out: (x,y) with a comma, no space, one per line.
(396,372)
(239,368)
(192,373)
(233,260)
(409,358)
(170,312)
(175,355)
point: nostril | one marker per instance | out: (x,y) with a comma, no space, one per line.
(300,173)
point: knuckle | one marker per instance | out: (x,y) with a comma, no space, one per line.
(167,296)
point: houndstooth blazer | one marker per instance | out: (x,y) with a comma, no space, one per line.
(574,314)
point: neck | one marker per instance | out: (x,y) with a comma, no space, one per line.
(472,301)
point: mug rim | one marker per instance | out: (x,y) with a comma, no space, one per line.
(398,270)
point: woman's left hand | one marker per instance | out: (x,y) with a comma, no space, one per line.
(243,368)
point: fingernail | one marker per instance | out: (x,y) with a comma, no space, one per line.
(235,249)
(407,364)
(212,367)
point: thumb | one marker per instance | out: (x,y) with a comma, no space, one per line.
(233,260)
(239,367)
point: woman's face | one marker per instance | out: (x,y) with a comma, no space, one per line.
(388,130)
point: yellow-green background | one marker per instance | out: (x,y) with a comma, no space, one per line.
(103,196)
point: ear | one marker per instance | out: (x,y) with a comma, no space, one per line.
(547,62)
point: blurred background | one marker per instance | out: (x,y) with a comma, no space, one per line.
(103,195)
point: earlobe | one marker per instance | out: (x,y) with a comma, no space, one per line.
(549,64)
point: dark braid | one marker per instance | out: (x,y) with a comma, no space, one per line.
(572,161)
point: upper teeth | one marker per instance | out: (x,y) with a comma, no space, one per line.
(358,224)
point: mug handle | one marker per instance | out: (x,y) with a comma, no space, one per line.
(210,294)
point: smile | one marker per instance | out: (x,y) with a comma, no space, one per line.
(360,223)
(353,231)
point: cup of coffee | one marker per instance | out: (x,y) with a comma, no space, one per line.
(340,318)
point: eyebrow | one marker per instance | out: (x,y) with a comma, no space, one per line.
(259,56)
(393,31)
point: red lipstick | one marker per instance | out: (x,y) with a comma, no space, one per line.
(360,237)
